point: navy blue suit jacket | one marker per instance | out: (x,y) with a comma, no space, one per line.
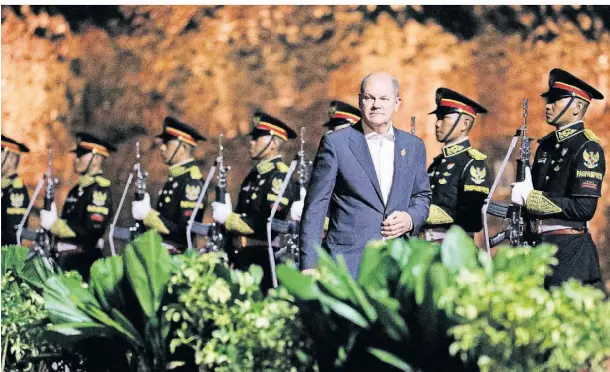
(344,183)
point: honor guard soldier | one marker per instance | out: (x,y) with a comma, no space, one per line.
(561,192)
(179,195)
(86,210)
(15,198)
(341,115)
(459,178)
(259,191)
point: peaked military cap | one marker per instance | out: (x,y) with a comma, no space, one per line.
(175,129)
(87,143)
(266,125)
(563,84)
(11,145)
(342,113)
(449,101)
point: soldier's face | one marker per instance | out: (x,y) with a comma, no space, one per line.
(378,102)
(167,150)
(82,162)
(445,123)
(554,107)
(257,145)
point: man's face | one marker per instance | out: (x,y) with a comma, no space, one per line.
(81,162)
(554,107)
(443,126)
(257,145)
(168,148)
(378,102)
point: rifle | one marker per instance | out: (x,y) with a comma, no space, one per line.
(413,125)
(122,233)
(43,242)
(514,227)
(217,237)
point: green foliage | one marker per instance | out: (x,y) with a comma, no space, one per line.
(122,303)
(417,305)
(223,316)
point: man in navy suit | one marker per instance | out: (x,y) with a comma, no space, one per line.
(370,177)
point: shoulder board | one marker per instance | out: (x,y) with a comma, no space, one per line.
(6,182)
(265,167)
(104,182)
(476,154)
(18,183)
(195,173)
(282,167)
(590,135)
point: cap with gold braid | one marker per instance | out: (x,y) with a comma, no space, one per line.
(9,144)
(562,84)
(266,125)
(342,113)
(175,129)
(88,143)
(449,101)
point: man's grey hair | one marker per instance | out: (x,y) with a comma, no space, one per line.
(395,84)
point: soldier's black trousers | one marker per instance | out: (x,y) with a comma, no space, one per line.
(578,259)
(79,261)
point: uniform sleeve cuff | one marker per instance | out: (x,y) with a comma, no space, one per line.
(438,216)
(61,229)
(326,222)
(235,223)
(153,221)
(539,204)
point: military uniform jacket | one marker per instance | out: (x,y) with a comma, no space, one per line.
(567,174)
(86,212)
(258,193)
(177,199)
(460,181)
(15,200)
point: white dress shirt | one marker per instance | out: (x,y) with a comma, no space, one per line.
(381,147)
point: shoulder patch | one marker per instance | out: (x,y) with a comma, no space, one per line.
(104,182)
(476,154)
(195,173)
(265,167)
(590,135)
(282,167)
(18,183)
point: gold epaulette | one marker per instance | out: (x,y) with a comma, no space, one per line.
(590,135)
(476,154)
(282,167)
(104,182)
(265,167)
(195,173)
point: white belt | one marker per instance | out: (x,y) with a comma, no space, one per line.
(546,228)
(170,248)
(66,247)
(434,235)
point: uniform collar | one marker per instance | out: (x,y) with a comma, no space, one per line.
(569,131)
(179,169)
(266,166)
(7,179)
(88,179)
(456,148)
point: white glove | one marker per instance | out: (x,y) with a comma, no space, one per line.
(48,218)
(221,211)
(296,210)
(521,190)
(140,208)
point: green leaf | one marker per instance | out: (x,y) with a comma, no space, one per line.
(369,264)
(106,277)
(300,285)
(65,299)
(400,249)
(458,250)
(390,359)
(344,310)
(439,280)
(356,292)
(13,258)
(147,266)
(415,273)
(37,270)
(68,334)
(387,308)
(333,279)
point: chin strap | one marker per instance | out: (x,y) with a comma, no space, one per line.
(86,171)
(563,111)
(452,128)
(169,161)
(256,157)
(5,156)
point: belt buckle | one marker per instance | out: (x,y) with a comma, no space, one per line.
(428,235)
(536,226)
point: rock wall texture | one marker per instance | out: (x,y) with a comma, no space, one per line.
(118,71)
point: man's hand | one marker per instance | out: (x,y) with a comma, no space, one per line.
(397,224)
(296,210)
(521,190)
(140,208)
(48,218)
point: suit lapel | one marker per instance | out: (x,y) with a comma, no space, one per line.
(361,152)
(402,159)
